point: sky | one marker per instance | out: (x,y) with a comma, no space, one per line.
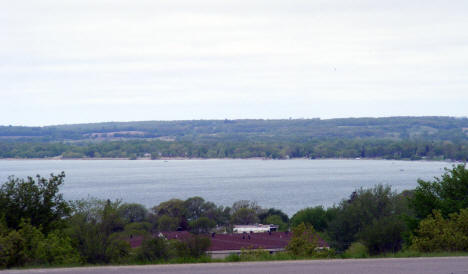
(81,61)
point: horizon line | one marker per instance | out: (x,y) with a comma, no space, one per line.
(241,119)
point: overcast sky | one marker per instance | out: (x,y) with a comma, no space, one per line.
(79,61)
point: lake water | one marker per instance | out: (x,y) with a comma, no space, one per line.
(289,185)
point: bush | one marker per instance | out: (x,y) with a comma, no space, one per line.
(252,254)
(383,235)
(58,250)
(304,241)
(12,250)
(437,233)
(356,250)
(197,246)
(118,251)
(154,249)
(233,257)
(28,246)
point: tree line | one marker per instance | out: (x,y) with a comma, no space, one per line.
(39,227)
(389,137)
(428,128)
(313,149)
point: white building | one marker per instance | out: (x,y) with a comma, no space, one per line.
(258,228)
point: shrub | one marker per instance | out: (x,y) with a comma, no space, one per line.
(383,235)
(252,254)
(117,251)
(58,250)
(154,249)
(12,250)
(356,250)
(304,241)
(436,233)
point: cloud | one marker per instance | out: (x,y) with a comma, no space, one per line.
(218,59)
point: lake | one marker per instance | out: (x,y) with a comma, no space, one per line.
(289,185)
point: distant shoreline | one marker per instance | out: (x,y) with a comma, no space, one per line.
(188,158)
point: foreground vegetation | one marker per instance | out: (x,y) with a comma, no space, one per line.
(390,138)
(39,228)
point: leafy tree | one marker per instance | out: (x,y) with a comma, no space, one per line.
(28,246)
(140,228)
(246,204)
(130,213)
(94,230)
(356,250)
(273,211)
(167,223)
(365,209)
(37,200)
(57,249)
(436,233)
(12,250)
(316,216)
(195,207)
(383,235)
(245,212)
(154,249)
(304,241)
(244,216)
(174,209)
(202,225)
(277,220)
(192,247)
(448,194)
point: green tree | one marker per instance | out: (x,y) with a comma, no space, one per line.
(365,209)
(316,216)
(304,241)
(273,211)
(173,209)
(57,249)
(95,228)
(383,235)
(245,212)
(277,220)
(154,249)
(202,225)
(130,213)
(167,223)
(12,250)
(436,233)
(244,216)
(192,247)
(37,200)
(448,194)
(195,208)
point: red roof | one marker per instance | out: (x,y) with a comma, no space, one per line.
(275,240)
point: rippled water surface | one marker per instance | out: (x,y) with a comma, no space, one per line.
(289,185)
